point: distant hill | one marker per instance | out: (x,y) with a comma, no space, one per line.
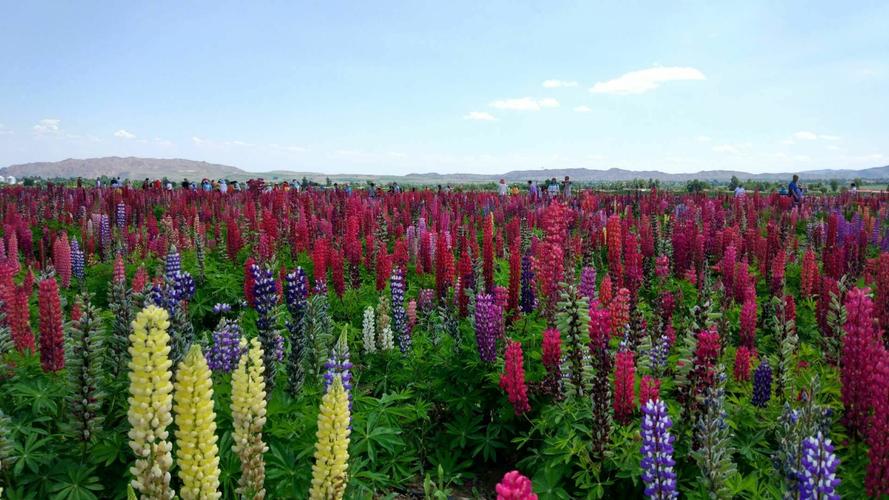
(140,168)
(130,167)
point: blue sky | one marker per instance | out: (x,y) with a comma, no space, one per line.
(421,86)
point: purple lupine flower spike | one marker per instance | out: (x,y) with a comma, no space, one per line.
(225,353)
(818,479)
(657,451)
(486,326)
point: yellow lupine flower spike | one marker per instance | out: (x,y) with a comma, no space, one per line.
(151,399)
(197,456)
(332,448)
(248,418)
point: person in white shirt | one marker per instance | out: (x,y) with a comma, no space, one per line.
(502,188)
(739,191)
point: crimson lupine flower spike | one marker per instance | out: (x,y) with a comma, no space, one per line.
(513,378)
(552,360)
(62,259)
(52,340)
(624,386)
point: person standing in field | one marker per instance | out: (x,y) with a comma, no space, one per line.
(794,190)
(552,188)
(502,188)
(566,187)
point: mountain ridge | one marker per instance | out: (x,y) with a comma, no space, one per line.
(176,168)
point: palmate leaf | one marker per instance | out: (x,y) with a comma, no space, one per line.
(370,438)
(75,482)
(31,454)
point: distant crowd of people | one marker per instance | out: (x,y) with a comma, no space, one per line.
(548,189)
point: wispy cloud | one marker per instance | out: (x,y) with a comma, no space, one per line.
(124,134)
(727,148)
(4,130)
(556,84)
(292,149)
(47,126)
(806,135)
(479,116)
(703,138)
(525,104)
(583,109)
(644,80)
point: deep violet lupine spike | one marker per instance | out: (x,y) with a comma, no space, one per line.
(486,326)
(762,384)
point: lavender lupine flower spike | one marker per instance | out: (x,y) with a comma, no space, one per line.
(222,308)
(105,232)
(172,263)
(486,324)
(588,283)
(657,451)
(121,216)
(818,478)
(339,364)
(399,315)
(78,262)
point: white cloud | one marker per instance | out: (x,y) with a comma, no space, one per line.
(555,84)
(241,143)
(643,80)
(47,126)
(198,141)
(525,104)
(479,116)
(829,137)
(124,134)
(727,148)
(4,130)
(805,135)
(293,149)
(583,109)
(703,138)
(789,142)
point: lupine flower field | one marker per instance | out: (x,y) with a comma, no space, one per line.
(321,344)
